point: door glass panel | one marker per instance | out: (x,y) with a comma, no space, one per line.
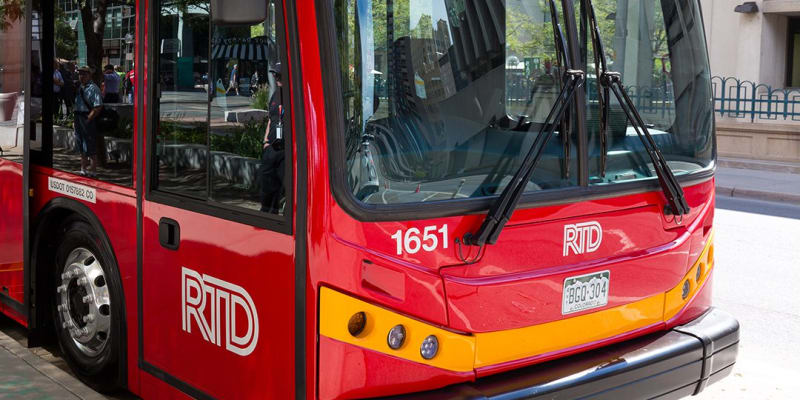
(247,110)
(12,72)
(182,137)
(222,128)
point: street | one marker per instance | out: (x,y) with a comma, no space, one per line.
(757,266)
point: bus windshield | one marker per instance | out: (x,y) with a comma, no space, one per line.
(443,98)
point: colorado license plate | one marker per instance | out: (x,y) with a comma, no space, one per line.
(585,292)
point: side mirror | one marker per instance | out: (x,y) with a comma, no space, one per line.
(238,12)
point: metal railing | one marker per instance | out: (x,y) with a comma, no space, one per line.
(741,99)
(656,101)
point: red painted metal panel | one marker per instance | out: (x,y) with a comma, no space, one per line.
(348,371)
(229,259)
(11,258)
(115,208)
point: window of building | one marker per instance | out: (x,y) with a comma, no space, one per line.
(793,50)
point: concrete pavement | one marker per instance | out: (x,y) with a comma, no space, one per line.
(25,375)
(759,180)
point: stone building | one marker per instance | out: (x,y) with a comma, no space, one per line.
(754,47)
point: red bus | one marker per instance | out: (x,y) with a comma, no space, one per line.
(360,198)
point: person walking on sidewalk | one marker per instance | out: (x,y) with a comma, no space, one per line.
(88,106)
(234,82)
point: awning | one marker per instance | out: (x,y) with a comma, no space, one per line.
(253,49)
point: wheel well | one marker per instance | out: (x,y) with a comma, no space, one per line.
(47,228)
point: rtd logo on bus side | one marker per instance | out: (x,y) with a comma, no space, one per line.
(201,291)
(582,238)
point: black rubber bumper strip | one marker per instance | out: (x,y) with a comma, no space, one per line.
(666,365)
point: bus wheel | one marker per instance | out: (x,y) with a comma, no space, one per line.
(87,309)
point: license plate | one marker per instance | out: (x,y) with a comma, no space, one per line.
(585,292)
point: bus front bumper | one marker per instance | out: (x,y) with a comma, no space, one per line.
(669,365)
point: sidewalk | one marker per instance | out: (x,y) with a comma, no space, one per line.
(24,375)
(759,180)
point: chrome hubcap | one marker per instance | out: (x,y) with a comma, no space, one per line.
(84,304)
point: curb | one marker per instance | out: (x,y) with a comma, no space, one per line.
(759,165)
(71,386)
(758,195)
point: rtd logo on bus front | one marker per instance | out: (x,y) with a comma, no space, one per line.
(201,291)
(582,238)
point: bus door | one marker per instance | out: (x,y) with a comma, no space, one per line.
(12,103)
(218,252)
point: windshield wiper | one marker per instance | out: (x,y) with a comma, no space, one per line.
(504,206)
(612,82)
(563,57)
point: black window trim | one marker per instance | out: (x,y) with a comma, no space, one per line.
(335,126)
(277,223)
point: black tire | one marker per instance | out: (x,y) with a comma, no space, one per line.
(97,362)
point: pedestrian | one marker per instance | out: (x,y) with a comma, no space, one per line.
(88,106)
(130,84)
(254,82)
(273,154)
(111,85)
(68,90)
(234,81)
(58,84)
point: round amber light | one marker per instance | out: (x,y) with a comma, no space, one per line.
(357,323)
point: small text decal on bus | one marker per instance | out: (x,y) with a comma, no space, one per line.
(582,238)
(411,241)
(70,189)
(222,299)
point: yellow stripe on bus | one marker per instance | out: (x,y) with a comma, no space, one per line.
(514,344)
(455,350)
(462,353)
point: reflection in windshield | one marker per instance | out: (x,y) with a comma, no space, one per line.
(437,97)
(442,97)
(658,48)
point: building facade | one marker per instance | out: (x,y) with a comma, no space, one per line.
(754,48)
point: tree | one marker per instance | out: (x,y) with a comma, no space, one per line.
(66,38)
(93,21)
(11,11)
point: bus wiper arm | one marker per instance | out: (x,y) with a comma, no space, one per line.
(612,81)
(564,58)
(504,206)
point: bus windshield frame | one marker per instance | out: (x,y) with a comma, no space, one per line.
(581,142)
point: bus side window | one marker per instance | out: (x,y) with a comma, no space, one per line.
(223,125)
(91,107)
(12,72)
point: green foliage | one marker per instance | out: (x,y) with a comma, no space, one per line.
(244,140)
(261,99)
(66,38)
(11,11)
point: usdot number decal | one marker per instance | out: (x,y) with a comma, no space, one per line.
(413,240)
(70,189)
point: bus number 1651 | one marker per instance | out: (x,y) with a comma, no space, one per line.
(413,240)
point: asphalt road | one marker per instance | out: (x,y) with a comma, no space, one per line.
(757,273)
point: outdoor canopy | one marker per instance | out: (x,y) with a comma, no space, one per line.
(254,49)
